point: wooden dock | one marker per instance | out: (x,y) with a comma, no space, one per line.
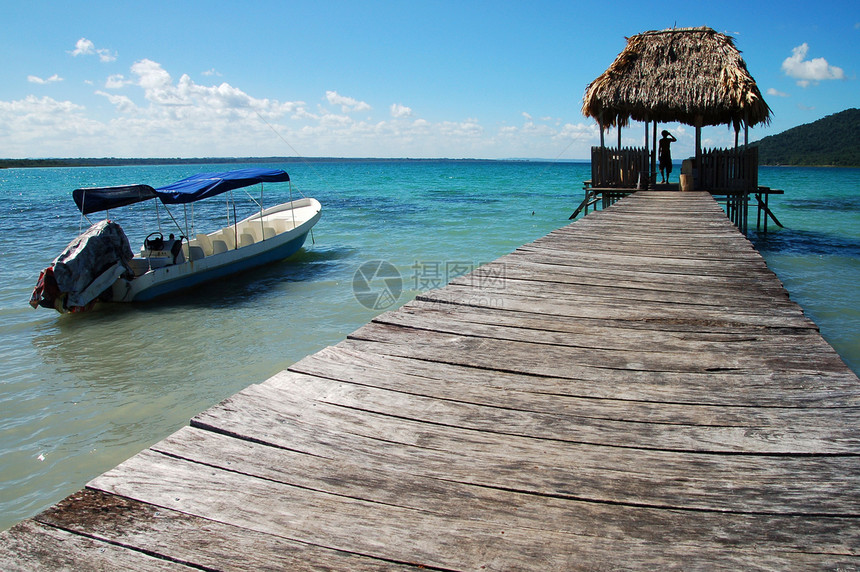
(633,391)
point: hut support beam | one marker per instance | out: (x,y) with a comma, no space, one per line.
(647,174)
(600,123)
(654,153)
(699,121)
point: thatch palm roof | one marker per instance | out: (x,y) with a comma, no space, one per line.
(685,75)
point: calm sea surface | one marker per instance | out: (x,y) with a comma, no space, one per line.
(79,394)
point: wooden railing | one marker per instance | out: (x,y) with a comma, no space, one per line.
(722,170)
(613,168)
(729,170)
(731,175)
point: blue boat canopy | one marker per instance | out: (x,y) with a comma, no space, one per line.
(188,190)
(205,185)
(104,198)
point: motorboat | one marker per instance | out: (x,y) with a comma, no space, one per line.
(100,266)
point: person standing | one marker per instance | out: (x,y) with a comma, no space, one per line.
(665,155)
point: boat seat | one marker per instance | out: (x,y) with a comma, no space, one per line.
(283,225)
(204,242)
(245,239)
(268,232)
(195,253)
(241,228)
(219,246)
(228,237)
(254,231)
(279,225)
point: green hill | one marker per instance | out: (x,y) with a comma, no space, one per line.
(832,141)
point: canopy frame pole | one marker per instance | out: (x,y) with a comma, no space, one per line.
(173,218)
(262,227)
(293,209)
(235,222)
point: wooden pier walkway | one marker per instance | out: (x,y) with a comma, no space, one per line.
(632,391)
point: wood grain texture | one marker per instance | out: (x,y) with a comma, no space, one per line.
(633,391)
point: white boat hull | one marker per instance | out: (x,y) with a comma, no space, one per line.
(276,233)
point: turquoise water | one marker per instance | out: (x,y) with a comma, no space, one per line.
(79,394)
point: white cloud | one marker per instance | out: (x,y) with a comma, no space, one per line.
(45,127)
(215,102)
(121,102)
(347,104)
(578,131)
(35,79)
(808,71)
(399,111)
(776,92)
(211,72)
(153,78)
(32,106)
(85,47)
(116,81)
(157,114)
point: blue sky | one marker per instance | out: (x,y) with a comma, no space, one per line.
(377,79)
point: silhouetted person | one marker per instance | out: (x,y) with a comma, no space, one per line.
(665,156)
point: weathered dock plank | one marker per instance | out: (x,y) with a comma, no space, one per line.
(635,390)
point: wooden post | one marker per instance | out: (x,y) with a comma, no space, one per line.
(699,121)
(654,154)
(647,167)
(600,123)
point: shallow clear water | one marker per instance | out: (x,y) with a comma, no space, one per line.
(80,393)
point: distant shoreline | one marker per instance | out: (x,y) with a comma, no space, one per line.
(119,162)
(129,161)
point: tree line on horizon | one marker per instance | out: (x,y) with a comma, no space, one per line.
(832,141)
(125,161)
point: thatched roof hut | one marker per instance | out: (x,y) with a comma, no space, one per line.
(694,76)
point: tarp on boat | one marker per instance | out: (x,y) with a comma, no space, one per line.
(88,266)
(104,198)
(205,185)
